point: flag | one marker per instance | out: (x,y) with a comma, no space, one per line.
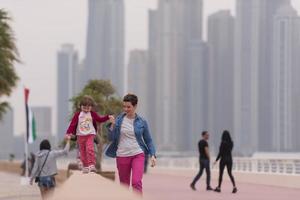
(30,121)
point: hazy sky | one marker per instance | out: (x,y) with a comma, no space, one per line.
(41,26)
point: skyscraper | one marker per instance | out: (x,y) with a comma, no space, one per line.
(286,81)
(165,57)
(253,40)
(192,78)
(43,119)
(175,29)
(137,78)
(78,77)
(152,79)
(196,101)
(67,63)
(263,56)
(220,39)
(105,42)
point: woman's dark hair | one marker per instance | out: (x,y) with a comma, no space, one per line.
(45,145)
(204,133)
(226,137)
(87,101)
(133,99)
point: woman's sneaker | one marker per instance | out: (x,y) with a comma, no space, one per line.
(208,188)
(193,186)
(92,168)
(234,190)
(85,170)
(217,189)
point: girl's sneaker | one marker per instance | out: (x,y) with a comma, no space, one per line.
(92,168)
(80,165)
(85,170)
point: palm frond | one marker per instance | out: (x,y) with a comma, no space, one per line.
(4,106)
(8,57)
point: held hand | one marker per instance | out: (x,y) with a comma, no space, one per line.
(111,119)
(153,161)
(68,137)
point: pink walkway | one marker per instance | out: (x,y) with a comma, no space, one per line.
(173,187)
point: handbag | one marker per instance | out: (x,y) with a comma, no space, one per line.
(37,179)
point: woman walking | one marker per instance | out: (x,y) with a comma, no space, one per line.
(226,160)
(131,141)
(45,168)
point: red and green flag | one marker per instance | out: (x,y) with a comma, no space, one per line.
(30,121)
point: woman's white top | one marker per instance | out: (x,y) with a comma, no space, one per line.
(128,145)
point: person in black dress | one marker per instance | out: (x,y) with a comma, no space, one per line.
(226,160)
(204,161)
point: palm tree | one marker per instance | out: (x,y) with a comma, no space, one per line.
(8,57)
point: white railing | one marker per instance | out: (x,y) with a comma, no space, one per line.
(249,165)
(278,166)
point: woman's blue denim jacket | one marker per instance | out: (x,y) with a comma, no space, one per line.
(141,131)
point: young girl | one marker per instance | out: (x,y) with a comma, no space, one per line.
(84,125)
(45,167)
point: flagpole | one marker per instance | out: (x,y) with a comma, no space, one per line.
(26,92)
(26,157)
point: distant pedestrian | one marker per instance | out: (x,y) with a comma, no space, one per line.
(23,166)
(204,161)
(30,162)
(131,141)
(226,160)
(45,167)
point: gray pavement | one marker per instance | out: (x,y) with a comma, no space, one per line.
(11,188)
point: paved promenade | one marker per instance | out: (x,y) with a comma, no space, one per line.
(11,188)
(158,185)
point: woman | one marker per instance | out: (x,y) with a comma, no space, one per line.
(131,141)
(226,160)
(45,168)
